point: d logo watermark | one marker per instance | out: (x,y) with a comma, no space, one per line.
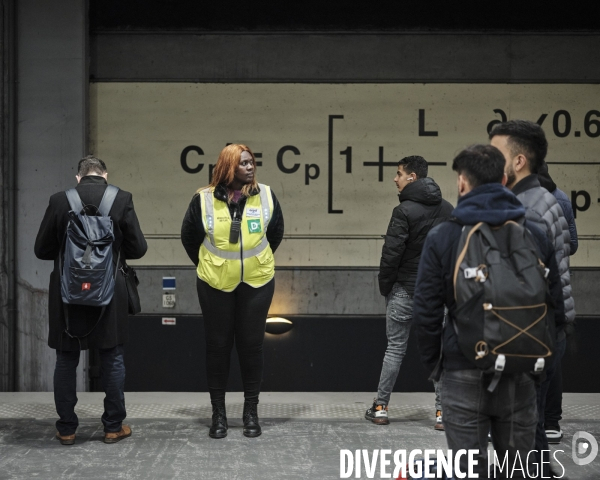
(585,448)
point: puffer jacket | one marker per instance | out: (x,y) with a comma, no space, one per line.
(544,211)
(421,208)
(564,202)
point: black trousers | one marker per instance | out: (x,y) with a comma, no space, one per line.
(112,371)
(238,316)
(553,411)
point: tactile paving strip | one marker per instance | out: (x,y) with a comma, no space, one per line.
(266,410)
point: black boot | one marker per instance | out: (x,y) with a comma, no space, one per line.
(250,417)
(219,426)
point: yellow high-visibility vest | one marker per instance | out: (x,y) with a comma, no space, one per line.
(224,265)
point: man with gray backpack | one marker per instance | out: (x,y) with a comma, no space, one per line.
(497,275)
(89,231)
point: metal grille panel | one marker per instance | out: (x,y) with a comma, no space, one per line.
(266,410)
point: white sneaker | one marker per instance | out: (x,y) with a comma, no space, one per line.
(554,434)
(438,421)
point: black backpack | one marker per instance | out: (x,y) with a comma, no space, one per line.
(504,318)
(87,268)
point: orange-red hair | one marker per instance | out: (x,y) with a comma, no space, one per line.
(228,162)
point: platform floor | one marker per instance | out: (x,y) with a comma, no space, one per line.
(303,434)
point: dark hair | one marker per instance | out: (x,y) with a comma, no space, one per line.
(526,138)
(90,165)
(480,164)
(415,164)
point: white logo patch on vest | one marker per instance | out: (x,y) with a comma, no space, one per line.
(253,212)
(254,226)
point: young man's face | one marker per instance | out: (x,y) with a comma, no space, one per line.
(501,143)
(402,179)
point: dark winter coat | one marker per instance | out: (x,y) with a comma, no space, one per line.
(491,203)
(546,213)
(421,208)
(112,329)
(564,202)
(192,228)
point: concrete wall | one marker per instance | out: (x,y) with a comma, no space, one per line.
(354,58)
(322,58)
(321,292)
(51,138)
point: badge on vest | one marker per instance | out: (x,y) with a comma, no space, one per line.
(252,212)
(254,226)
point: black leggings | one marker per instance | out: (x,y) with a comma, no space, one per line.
(240,315)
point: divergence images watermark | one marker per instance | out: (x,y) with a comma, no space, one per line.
(430,463)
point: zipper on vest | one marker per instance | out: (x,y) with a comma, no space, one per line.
(242,256)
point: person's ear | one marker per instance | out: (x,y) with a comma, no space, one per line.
(520,162)
(78,178)
(504,180)
(463,185)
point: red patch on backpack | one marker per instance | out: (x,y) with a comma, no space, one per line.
(86,286)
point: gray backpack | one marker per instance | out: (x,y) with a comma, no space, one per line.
(504,318)
(87,268)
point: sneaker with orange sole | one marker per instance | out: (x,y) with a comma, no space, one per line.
(378,414)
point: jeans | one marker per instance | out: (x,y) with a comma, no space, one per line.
(553,413)
(541,441)
(238,316)
(470,412)
(398,321)
(437,386)
(112,373)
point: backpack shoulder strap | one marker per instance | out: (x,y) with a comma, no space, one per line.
(108,199)
(74,200)
(466,236)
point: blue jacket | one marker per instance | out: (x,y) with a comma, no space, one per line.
(491,203)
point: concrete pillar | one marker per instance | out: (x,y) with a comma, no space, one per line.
(51,138)
(7,199)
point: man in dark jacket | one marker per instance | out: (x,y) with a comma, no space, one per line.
(553,410)
(110,333)
(470,411)
(524,146)
(421,208)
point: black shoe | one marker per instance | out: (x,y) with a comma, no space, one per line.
(219,426)
(553,433)
(378,414)
(250,417)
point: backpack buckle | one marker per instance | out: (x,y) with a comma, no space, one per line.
(539,365)
(500,362)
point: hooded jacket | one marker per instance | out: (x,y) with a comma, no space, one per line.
(491,203)
(421,208)
(546,213)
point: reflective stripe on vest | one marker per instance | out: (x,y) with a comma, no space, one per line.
(220,262)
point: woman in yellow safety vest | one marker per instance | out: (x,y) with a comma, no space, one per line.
(230,231)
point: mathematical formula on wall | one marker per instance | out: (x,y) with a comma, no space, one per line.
(330,151)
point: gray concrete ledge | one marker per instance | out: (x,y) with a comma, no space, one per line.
(345,58)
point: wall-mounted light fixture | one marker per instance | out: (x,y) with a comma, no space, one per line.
(278,325)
